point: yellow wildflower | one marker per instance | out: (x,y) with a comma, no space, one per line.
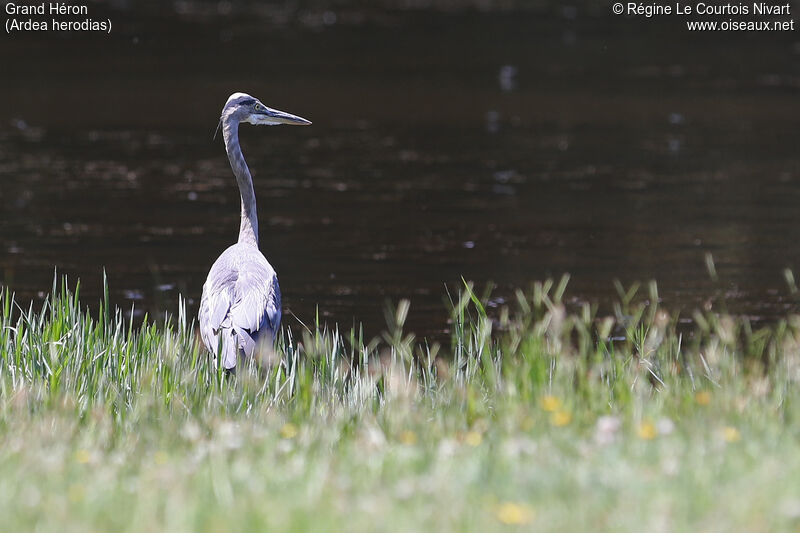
(551,403)
(408,437)
(289,431)
(82,456)
(561,418)
(473,438)
(731,434)
(703,397)
(647,431)
(511,513)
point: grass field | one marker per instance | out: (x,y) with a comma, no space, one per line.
(541,419)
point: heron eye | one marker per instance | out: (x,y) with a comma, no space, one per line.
(259,107)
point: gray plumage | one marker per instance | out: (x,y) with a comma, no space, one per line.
(241,303)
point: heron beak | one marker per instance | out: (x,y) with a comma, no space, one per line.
(273,116)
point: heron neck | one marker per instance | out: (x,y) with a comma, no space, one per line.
(248,228)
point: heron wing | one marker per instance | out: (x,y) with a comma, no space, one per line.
(256,299)
(215,323)
(219,304)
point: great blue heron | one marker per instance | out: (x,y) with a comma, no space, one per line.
(241,300)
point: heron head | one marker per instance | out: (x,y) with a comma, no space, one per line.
(244,108)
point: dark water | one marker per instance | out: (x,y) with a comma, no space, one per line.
(502,146)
